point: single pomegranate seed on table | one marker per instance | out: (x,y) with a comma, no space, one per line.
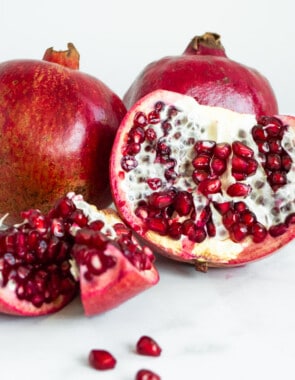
(101,359)
(148,346)
(146,374)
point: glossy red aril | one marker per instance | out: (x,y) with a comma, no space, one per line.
(101,359)
(146,374)
(57,127)
(45,259)
(204,72)
(148,346)
(228,202)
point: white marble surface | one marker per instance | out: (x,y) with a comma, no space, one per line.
(228,324)
(235,323)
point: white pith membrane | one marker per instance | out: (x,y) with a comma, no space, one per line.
(110,220)
(196,122)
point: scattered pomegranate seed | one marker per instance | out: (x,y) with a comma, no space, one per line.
(101,360)
(148,346)
(146,374)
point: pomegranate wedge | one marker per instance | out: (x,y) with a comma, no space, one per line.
(205,184)
(44,259)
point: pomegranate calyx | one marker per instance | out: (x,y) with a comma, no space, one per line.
(69,58)
(206,44)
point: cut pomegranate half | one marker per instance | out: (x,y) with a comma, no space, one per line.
(205,184)
(43,260)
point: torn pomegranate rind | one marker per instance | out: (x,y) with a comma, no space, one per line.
(44,259)
(203,183)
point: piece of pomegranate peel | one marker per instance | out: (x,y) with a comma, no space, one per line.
(206,185)
(44,259)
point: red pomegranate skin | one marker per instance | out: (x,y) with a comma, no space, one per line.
(57,126)
(205,72)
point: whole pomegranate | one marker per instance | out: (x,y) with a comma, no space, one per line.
(46,258)
(57,126)
(204,72)
(205,184)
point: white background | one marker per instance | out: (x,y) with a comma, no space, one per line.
(228,324)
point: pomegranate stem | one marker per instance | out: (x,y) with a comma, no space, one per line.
(68,58)
(206,44)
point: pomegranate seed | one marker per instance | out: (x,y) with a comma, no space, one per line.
(154,117)
(166,127)
(273,161)
(101,359)
(175,230)
(154,183)
(150,134)
(204,216)
(200,235)
(222,208)
(263,146)
(183,203)
(248,218)
(239,164)
(210,227)
(238,189)
(286,162)
(275,146)
(148,346)
(201,162)
(218,166)
(128,163)
(159,106)
(210,186)
(230,217)
(238,231)
(222,150)
(158,225)
(170,174)
(277,178)
(259,133)
(161,199)
(189,228)
(132,149)
(259,232)
(277,230)
(242,150)
(200,175)
(290,219)
(252,167)
(140,119)
(137,135)
(204,146)
(240,206)
(146,374)
(273,130)
(163,148)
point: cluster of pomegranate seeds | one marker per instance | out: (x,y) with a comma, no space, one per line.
(170,207)
(268,135)
(35,255)
(240,221)
(101,359)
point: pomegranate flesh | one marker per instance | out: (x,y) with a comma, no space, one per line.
(205,185)
(204,72)
(44,259)
(57,126)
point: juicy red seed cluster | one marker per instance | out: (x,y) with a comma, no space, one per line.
(35,254)
(241,222)
(209,163)
(159,208)
(143,131)
(90,245)
(268,135)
